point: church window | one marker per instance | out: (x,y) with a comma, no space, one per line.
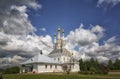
(58,59)
(73,66)
(64,59)
(68,59)
(32,59)
(55,66)
(45,66)
(50,66)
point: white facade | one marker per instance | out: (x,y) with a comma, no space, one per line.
(59,60)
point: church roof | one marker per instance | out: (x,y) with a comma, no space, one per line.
(40,59)
(63,52)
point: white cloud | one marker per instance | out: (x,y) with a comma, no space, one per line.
(102,58)
(16,43)
(83,39)
(42,29)
(21,9)
(85,36)
(35,5)
(24,47)
(107,3)
(109,50)
(13,16)
(14,60)
(87,42)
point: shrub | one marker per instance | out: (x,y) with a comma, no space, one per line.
(68,71)
(101,72)
(92,70)
(12,70)
(85,72)
(79,72)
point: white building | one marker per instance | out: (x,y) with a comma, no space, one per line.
(59,60)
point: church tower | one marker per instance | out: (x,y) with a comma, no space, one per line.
(63,34)
(59,52)
(59,39)
(55,41)
(58,33)
(63,40)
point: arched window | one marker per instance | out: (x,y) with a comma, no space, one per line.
(73,66)
(64,59)
(58,59)
(50,66)
(45,66)
(55,66)
(67,59)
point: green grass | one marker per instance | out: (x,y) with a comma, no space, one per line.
(59,76)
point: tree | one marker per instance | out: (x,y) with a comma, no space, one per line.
(93,66)
(87,65)
(81,64)
(12,70)
(117,64)
(110,65)
(97,65)
(92,70)
(1,76)
(92,62)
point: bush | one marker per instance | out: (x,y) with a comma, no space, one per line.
(85,72)
(92,70)
(1,76)
(105,72)
(12,70)
(79,72)
(68,71)
(98,72)
(101,72)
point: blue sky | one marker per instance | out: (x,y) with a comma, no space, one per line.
(69,14)
(92,28)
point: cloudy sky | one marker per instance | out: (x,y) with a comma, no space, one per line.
(92,28)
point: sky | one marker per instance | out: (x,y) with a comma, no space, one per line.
(91,28)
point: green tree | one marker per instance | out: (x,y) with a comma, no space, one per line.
(110,65)
(92,62)
(81,64)
(97,65)
(12,70)
(92,70)
(87,65)
(117,64)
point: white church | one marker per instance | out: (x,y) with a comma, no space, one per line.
(59,59)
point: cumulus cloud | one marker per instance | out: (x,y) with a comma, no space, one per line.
(85,36)
(17,38)
(7,61)
(13,16)
(24,47)
(107,3)
(18,41)
(87,43)
(42,29)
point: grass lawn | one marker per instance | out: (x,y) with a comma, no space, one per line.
(60,76)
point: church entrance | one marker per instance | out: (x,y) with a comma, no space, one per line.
(28,68)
